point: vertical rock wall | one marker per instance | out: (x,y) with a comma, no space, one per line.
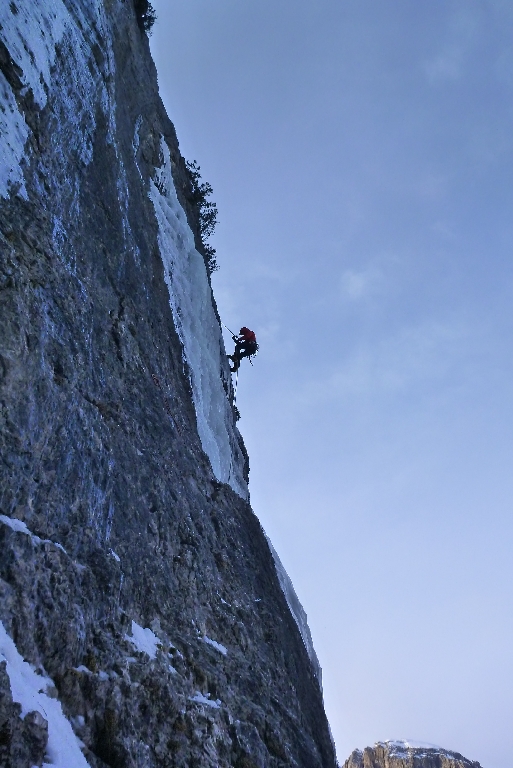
(135,581)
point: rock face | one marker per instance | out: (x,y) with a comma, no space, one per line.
(142,618)
(404,754)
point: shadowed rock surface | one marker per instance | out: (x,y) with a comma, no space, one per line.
(111,513)
(402,754)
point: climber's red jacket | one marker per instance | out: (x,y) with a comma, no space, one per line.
(247,335)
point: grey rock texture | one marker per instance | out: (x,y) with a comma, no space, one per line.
(402,754)
(111,513)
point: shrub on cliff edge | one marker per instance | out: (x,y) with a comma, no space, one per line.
(207,212)
(145,12)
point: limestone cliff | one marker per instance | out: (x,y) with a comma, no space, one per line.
(404,754)
(142,618)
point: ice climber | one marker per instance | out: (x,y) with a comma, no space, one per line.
(245,346)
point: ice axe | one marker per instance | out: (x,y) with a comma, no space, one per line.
(233,334)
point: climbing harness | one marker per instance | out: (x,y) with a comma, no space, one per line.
(254,353)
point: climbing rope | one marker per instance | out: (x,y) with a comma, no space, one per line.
(235,409)
(235,387)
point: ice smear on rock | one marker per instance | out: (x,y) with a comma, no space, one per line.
(297,611)
(190,297)
(30,32)
(28,690)
(144,640)
(30,35)
(114,555)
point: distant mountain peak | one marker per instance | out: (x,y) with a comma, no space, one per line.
(399,753)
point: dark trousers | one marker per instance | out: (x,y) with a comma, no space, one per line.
(244,349)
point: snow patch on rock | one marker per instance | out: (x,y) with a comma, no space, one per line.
(190,297)
(20,527)
(405,744)
(215,645)
(28,689)
(200,699)
(144,640)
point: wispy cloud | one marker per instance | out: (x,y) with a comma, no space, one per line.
(359,284)
(415,355)
(448,64)
(376,278)
(432,186)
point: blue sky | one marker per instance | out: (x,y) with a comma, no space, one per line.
(361,155)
